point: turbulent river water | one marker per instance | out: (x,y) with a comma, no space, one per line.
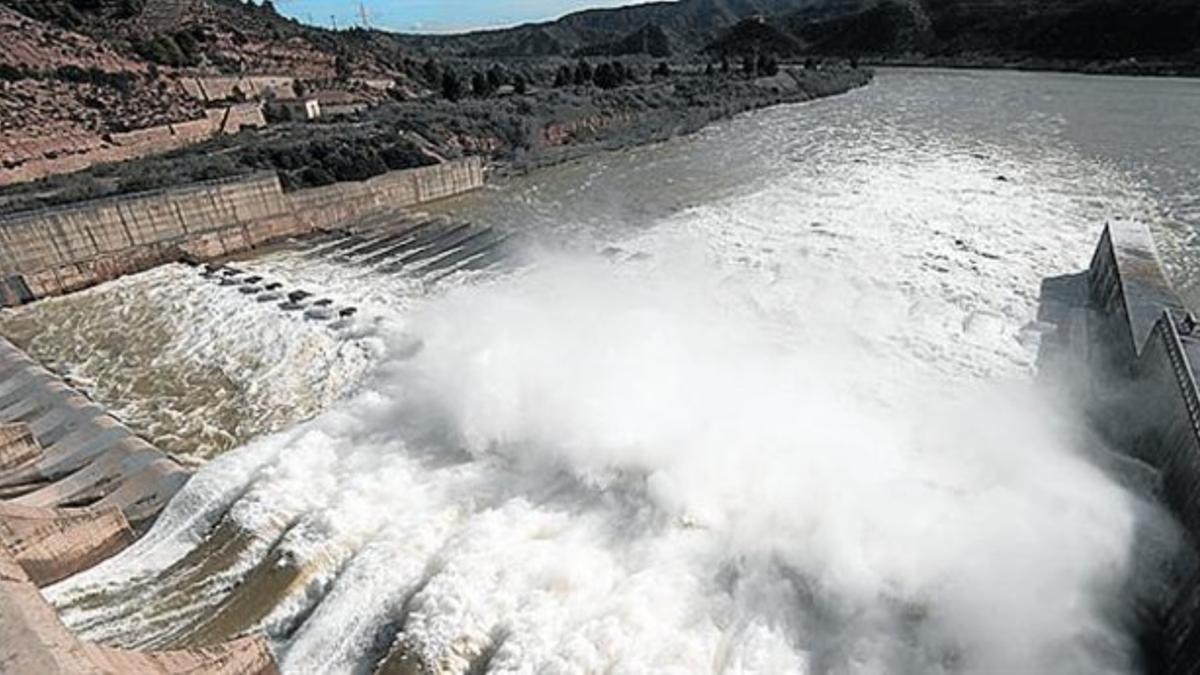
(757,400)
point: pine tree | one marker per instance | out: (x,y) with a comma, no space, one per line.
(479,85)
(767,65)
(583,73)
(620,72)
(496,78)
(431,71)
(451,86)
(563,77)
(604,77)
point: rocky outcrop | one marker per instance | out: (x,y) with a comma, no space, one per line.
(34,45)
(585,128)
(61,92)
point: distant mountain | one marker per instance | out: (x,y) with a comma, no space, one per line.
(1007,29)
(686,26)
(236,36)
(987,31)
(651,40)
(755,36)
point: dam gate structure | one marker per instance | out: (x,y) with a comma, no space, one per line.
(76,486)
(64,249)
(1133,346)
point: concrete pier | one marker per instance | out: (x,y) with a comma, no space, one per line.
(76,487)
(53,544)
(61,450)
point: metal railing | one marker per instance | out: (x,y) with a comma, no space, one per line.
(1181,367)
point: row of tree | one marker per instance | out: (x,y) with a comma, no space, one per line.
(762,66)
(607,75)
(481,84)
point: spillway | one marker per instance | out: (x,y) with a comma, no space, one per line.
(801,394)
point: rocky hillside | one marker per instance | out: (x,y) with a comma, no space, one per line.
(686,25)
(61,92)
(219,36)
(547,124)
(75,75)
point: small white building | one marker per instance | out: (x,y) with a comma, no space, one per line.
(337,103)
(300,109)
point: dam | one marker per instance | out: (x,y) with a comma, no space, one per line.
(582,420)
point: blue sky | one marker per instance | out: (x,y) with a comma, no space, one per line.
(438,15)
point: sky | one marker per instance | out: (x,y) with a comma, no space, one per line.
(437,16)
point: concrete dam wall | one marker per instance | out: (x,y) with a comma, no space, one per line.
(1129,332)
(56,251)
(76,486)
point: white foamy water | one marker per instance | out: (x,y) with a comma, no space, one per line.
(789,428)
(195,367)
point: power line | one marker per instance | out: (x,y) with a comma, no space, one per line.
(363,15)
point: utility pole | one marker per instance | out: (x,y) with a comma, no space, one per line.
(333,18)
(362,13)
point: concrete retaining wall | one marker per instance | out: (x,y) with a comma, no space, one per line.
(56,251)
(1145,348)
(223,88)
(332,204)
(119,147)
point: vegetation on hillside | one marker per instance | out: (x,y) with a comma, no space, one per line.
(546,124)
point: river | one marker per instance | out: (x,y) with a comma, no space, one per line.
(755,400)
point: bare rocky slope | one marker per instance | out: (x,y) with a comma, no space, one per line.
(218,36)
